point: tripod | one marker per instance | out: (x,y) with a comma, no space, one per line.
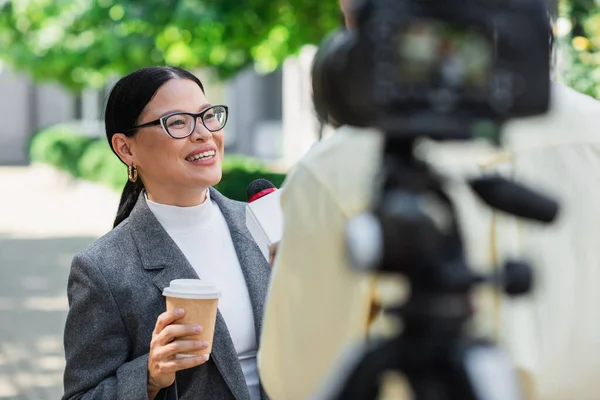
(419,238)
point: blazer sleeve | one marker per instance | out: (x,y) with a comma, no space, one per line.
(97,344)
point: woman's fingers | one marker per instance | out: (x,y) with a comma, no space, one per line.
(182,347)
(175,331)
(182,363)
(167,318)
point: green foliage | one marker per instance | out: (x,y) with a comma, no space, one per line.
(92,159)
(86,42)
(582,45)
(60,147)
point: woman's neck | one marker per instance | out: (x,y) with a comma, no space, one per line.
(184,218)
(174,198)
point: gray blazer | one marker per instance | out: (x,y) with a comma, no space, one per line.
(115,296)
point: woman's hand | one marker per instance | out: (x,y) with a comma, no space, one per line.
(273,253)
(165,344)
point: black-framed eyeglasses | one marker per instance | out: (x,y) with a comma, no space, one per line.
(180,125)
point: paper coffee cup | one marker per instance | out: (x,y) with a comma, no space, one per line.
(199,299)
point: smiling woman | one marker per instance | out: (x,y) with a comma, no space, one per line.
(171,224)
(156,144)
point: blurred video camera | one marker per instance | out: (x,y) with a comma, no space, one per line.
(444,70)
(451,69)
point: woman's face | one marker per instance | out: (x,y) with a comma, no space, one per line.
(167,166)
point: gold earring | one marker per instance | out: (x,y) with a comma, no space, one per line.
(133,173)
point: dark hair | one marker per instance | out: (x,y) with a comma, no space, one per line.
(127,100)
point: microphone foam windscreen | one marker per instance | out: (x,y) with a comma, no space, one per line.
(258,186)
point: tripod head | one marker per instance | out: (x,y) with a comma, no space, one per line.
(413,230)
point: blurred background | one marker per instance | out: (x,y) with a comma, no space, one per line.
(59,181)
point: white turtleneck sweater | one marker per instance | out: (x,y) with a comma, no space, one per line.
(203,236)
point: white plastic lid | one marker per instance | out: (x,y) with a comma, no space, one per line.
(192,289)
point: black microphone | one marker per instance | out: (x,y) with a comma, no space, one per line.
(515,199)
(259,188)
(264,217)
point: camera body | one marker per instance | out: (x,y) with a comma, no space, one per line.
(447,70)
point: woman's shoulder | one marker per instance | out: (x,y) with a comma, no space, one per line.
(108,246)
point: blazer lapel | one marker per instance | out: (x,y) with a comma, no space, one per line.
(255,268)
(158,251)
